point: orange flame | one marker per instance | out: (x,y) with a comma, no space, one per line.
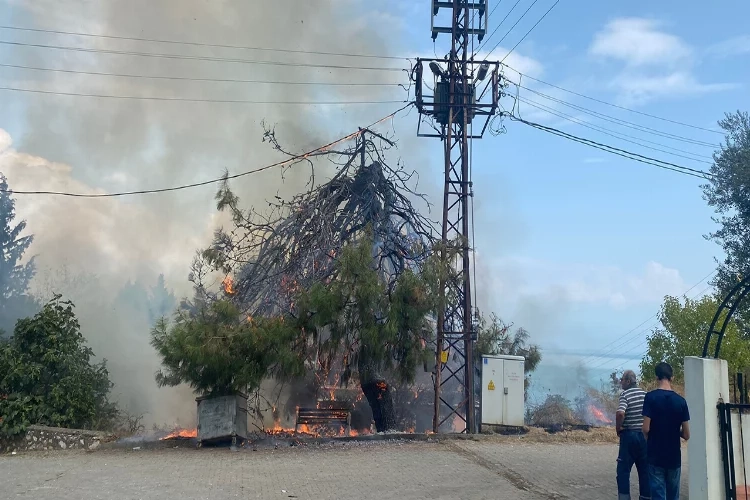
(181,433)
(599,415)
(228,285)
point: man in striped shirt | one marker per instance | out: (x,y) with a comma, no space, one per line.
(629,424)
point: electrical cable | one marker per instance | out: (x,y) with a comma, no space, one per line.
(617,135)
(605,360)
(197,44)
(624,339)
(530,30)
(487,40)
(485,23)
(618,121)
(193,79)
(511,29)
(618,151)
(615,105)
(294,159)
(197,58)
(473,233)
(189,99)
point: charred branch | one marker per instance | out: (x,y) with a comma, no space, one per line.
(294,243)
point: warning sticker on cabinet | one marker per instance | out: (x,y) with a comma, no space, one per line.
(491,386)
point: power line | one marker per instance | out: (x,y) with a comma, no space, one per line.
(620,152)
(198,44)
(532,29)
(197,58)
(617,135)
(288,161)
(511,28)
(615,105)
(646,340)
(487,40)
(618,121)
(624,339)
(188,99)
(195,79)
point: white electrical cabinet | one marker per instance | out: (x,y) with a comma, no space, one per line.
(502,390)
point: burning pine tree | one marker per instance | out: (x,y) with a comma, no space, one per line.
(349,262)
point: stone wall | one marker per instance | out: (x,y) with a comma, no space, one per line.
(39,437)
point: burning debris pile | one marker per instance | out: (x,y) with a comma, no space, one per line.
(592,408)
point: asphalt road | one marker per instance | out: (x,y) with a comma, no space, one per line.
(450,469)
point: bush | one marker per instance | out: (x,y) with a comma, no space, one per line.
(47,378)
(217,353)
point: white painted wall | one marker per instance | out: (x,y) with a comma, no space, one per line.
(706,381)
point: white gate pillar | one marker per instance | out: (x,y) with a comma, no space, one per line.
(706,381)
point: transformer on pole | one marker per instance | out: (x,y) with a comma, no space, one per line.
(450,111)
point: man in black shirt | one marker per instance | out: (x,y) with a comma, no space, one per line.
(665,421)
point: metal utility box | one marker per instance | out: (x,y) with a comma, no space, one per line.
(502,390)
(222,418)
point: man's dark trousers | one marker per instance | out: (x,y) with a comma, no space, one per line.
(632,452)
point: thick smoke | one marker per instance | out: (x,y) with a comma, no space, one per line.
(89,249)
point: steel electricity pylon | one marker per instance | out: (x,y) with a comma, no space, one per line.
(449,112)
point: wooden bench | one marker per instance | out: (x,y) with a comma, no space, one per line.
(324,416)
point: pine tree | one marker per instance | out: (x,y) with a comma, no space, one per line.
(14,276)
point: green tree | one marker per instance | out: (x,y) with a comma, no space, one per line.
(727,192)
(379,329)
(14,276)
(218,352)
(494,338)
(47,377)
(683,330)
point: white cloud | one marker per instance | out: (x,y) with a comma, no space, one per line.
(638,42)
(738,45)
(656,64)
(584,284)
(637,89)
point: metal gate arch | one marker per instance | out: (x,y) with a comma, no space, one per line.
(729,305)
(718,328)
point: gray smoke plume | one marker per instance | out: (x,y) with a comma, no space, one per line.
(92,248)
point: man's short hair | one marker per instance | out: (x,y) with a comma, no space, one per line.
(663,371)
(629,375)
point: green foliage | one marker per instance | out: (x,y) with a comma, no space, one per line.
(47,378)
(375,327)
(14,277)
(683,333)
(217,352)
(727,193)
(494,338)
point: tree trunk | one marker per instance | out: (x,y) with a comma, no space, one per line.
(379,396)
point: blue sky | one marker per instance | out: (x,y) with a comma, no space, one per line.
(574,244)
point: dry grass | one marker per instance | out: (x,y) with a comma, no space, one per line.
(539,435)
